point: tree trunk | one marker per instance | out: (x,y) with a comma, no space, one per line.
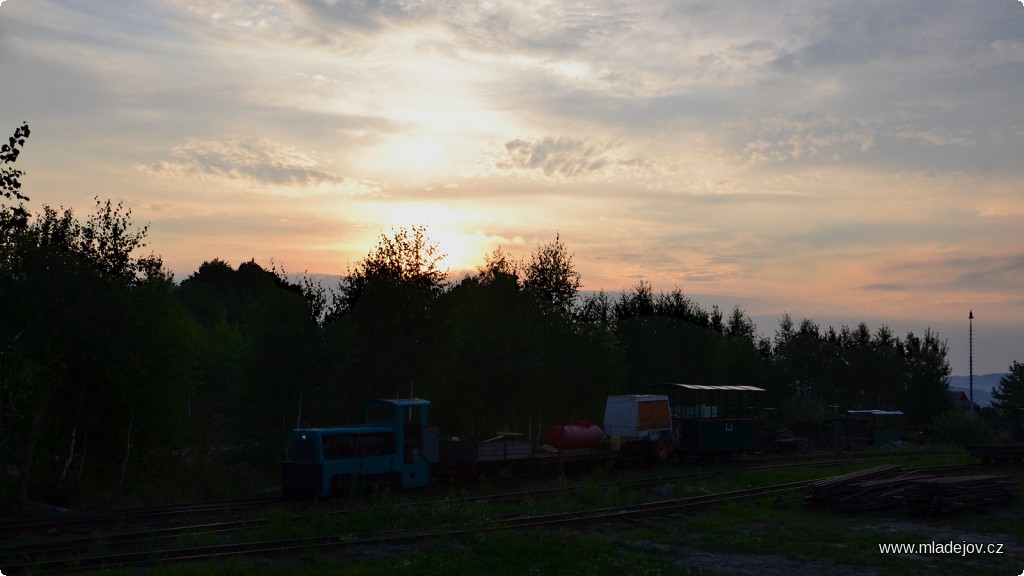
(74,434)
(33,441)
(85,453)
(127,448)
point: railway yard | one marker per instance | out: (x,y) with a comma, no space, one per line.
(753,515)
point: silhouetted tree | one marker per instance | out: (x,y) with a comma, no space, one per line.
(800,379)
(406,257)
(1008,396)
(108,239)
(380,321)
(740,325)
(597,309)
(926,380)
(666,338)
(12,217)
(676,305)
(550,274)
(83,355)
(499,266)
(262,361)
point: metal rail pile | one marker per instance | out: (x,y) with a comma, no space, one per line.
(1001,453)
(891,486)
(942,495)
(848,491)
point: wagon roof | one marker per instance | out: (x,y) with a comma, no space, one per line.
(705,387)
(348,429)
(402,402)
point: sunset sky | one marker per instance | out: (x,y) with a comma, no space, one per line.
(840,161)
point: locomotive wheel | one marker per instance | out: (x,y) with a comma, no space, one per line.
(661,450)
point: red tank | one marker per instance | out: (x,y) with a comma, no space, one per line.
(580,435)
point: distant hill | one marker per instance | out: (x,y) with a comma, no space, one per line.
(981,381)
(983,385)
(982,398)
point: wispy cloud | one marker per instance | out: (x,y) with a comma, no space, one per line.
(565,157)
(255,161)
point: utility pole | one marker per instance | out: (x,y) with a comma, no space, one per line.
(970,356)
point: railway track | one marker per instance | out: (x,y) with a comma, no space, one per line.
(157,515)
(153,514)
(74,554)
(336,542)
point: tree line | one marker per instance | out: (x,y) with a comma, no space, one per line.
(116,380)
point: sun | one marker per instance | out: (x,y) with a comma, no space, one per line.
(464,250)
(456,229)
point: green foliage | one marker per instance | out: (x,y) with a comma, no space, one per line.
(499,266)
(926,376)
(12,217)
(407,257)
(261,362)
(959,428)
(1008,396)
(550,274)
(95,353)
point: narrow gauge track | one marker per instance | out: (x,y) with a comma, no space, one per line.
(168,513)
(155,514)
(288,546)
(70,554)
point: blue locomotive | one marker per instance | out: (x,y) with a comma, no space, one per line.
(394,447)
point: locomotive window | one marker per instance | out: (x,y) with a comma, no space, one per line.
(341,446)
(338,446)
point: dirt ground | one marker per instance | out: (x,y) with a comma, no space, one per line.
(1011,561)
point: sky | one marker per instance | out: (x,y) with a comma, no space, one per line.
(846,162)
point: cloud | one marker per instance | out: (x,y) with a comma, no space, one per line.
(936,137)
(564,157)
(786,138)
(977,274)
(367,14)
(258,161)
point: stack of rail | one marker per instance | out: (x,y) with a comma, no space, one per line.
(843,492)
(1001,453)
(943,495)
(889,486)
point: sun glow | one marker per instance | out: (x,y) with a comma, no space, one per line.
(413,155)
(458,231)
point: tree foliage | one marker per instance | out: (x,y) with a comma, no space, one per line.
(406,257)
(12,217)
(1008,396)
(551,275)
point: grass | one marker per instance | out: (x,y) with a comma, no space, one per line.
(536,554)
(788,529)
(776,529)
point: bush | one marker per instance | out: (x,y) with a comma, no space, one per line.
(959,428)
